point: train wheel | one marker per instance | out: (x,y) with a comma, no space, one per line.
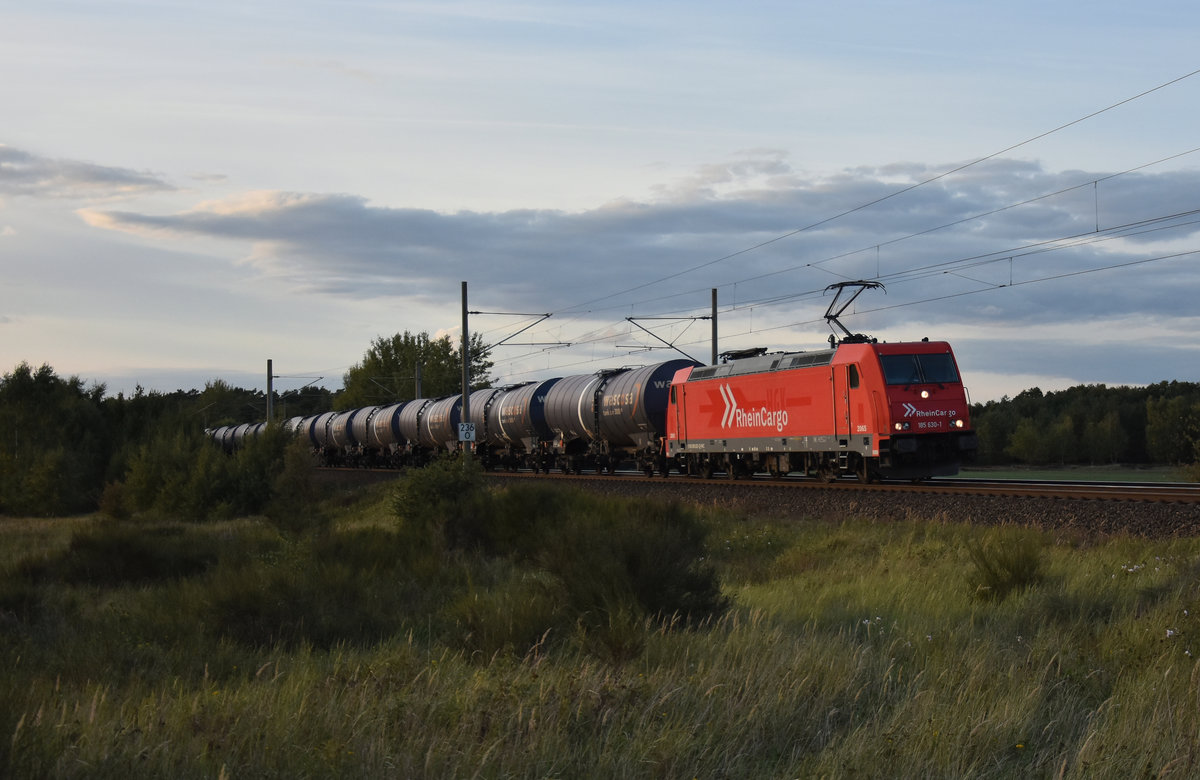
(706,470)
(826,473)
(865,473)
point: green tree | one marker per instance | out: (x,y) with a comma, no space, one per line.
(1104,440)
(55,446)
(1062,445)
(1172,428)
(1028,443)
(303,402)
(387,372)
(994,423)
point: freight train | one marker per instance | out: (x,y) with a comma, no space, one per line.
(862,408)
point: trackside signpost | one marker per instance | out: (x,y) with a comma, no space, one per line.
(466,431)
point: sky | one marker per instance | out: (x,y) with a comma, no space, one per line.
(188,189)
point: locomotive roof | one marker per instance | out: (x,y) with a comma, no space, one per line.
(783,361)
(765,363)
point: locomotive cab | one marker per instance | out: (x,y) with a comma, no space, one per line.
(927,414)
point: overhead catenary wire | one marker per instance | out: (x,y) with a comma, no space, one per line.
(599,334)
(1141,227)
(889,196)
(1137,228)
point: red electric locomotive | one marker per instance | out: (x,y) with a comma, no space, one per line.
(895,411)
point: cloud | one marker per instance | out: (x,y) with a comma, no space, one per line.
(25,173)
(763,232)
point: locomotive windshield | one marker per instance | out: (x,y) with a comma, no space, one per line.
(919,369)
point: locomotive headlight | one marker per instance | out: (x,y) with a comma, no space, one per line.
(902,426)
(958,423)
(924,393)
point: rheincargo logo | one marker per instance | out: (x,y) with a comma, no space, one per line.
(912,411)
(736,417)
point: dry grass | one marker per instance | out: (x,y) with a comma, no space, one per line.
(854,649)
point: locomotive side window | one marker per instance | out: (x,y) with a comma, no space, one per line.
(918,369)
(853,376)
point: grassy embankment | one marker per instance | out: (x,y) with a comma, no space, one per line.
(851,648)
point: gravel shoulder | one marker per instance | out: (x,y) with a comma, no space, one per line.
(1128,518)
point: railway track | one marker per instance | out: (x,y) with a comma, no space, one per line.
(1183,493)
(1149,510)
(1168,492)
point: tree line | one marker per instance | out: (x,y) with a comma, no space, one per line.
(1092,425)
(64,443)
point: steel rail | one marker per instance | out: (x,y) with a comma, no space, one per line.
(1149,492)
(1180,493)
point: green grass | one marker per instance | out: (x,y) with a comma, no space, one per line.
(1080,473)
(852,648)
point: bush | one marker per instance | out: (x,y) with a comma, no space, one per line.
(613,564)
(646,556)
(295,501)
(114,553)
(517,613)
(113,502)
(329,589)
(1010,562)
(181,474)
(443,505)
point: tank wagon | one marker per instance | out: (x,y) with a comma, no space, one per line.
(594,421)
(517,434)
(601,420)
